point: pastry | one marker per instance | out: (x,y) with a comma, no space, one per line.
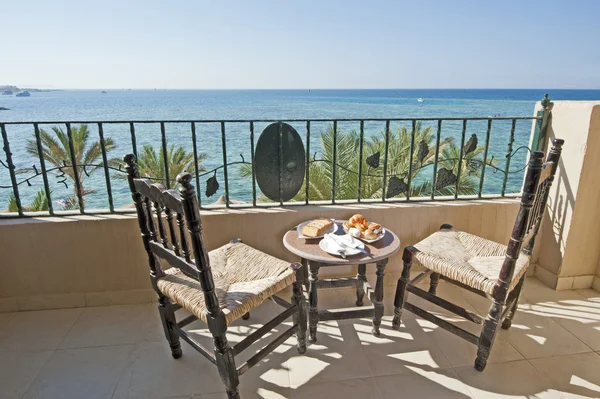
(363,226)
(376,228)
(369,234)
(316,227)
(356,220)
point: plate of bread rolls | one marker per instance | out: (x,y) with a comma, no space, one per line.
(359,227)
(316,228)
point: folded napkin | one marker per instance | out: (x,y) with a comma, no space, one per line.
(343,240)
(339,243)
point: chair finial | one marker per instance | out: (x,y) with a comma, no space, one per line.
(546,101)
(129,159)
(185,178)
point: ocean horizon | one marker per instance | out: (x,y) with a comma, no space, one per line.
(256,104)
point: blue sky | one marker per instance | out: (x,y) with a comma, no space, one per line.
(301,44)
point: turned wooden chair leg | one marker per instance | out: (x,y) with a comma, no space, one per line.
(224,357)
(434,280)
(488,334)
(401,287)
(167,317)
(511,313)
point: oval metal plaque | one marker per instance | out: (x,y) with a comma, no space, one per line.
(279,162)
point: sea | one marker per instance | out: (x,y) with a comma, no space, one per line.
(172,105)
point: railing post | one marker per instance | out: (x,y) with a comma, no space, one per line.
(540,134)
(11,170)
(78,188)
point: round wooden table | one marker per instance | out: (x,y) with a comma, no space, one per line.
(314,257)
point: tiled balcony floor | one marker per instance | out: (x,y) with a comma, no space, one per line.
(120,352)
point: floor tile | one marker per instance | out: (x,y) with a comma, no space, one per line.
(337,355)
(106,325)
(576,376)
(39,330)
(394,352)
(261,393)
(151,329)
(581,317)
(17,371)
(90,373)
(536,336)
(423,383)
(460,352)
(5,318)
(507,380)
(151,366)
(535,291)
(364,388)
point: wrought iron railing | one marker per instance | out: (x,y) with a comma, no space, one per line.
(282,168)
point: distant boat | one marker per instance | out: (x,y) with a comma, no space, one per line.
(103,92)
(420,100)
(7,93)
(23,94)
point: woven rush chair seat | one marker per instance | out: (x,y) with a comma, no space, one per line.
(244,277)
(467,258)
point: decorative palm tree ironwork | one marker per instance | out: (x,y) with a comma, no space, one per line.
(398,165)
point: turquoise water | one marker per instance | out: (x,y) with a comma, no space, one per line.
(123,105)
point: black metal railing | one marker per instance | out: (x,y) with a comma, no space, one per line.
(415,172)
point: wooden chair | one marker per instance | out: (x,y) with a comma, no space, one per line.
(489,269)
(216,287)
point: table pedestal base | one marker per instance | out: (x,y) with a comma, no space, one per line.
(362,288)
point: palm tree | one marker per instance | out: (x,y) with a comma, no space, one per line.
(39,203)
(55,149)
(152,164)
(347,160)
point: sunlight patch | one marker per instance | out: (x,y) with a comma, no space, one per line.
(537,338)
(365,336)
(305,369)
(422,358)
(265,393)
(441,379)
(580,382)
(520,327)
(275,376)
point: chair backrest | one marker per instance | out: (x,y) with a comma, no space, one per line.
(157,206)
(536,189)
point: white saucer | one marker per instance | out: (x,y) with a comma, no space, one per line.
(326,246)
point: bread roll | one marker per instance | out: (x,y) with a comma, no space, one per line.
(369,234)
(376,227)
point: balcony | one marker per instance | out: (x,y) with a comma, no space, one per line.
(77,317)
(118,352)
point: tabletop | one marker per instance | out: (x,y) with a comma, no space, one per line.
(309,248)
